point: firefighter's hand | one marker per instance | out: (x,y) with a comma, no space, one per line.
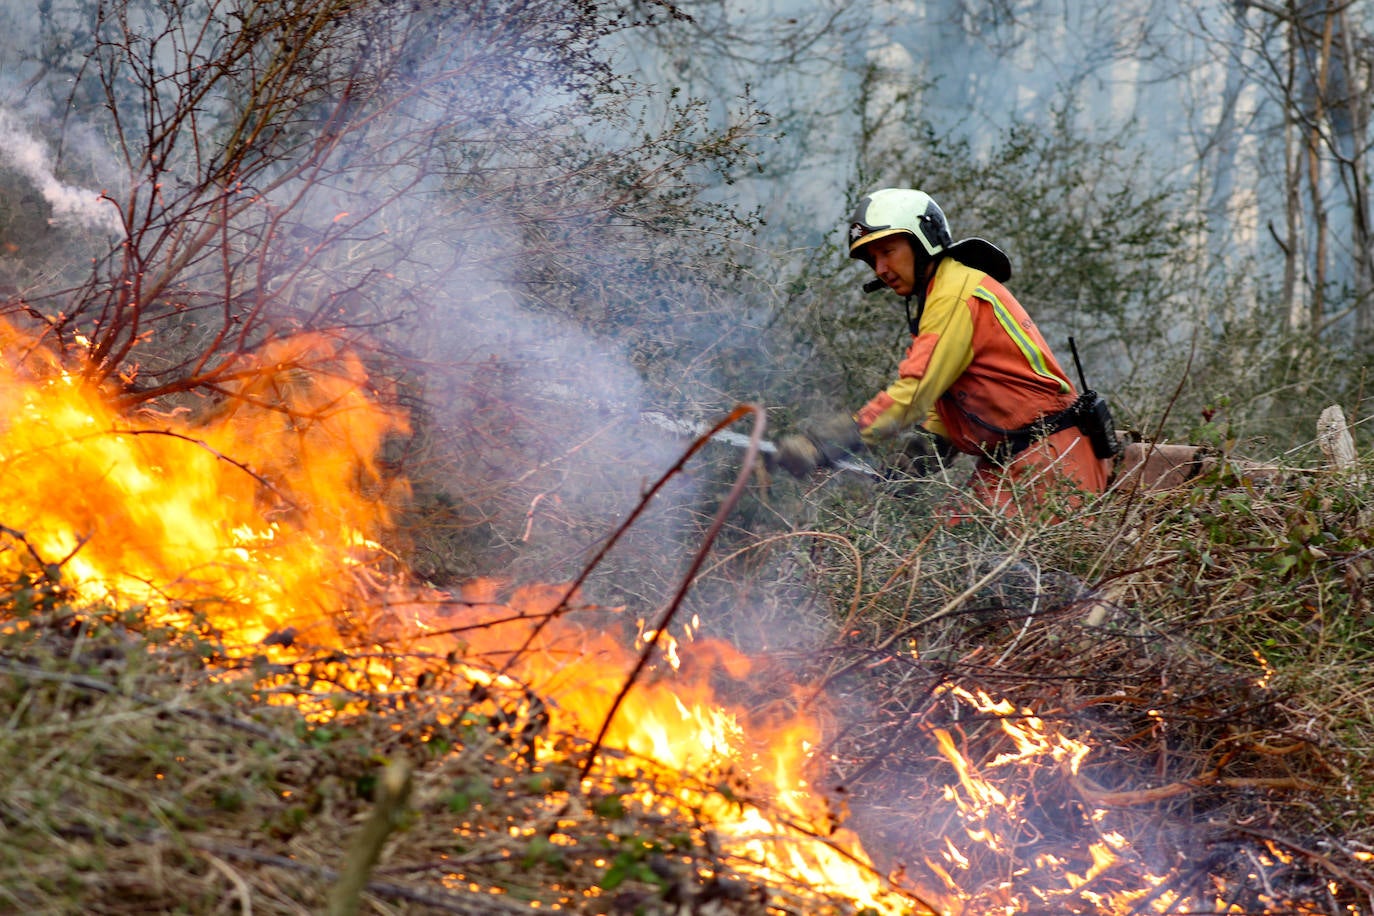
(820,444)
(925,454)
(798,455)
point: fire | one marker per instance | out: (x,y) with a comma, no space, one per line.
(1116,879)
(743,773)
(262,512)
(265,512)
(263,505)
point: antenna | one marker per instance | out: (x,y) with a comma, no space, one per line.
(1082,381)
(1094,416)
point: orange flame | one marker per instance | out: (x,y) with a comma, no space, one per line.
(671,725)
(265,511)
(264,504)
(260,512)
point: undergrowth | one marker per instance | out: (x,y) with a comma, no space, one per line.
(1208,644)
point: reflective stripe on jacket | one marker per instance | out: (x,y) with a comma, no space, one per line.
(977,368)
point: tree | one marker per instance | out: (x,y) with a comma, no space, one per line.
(328,164)
(1309,58)
(471,195)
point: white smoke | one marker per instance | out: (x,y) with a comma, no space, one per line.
(31,157)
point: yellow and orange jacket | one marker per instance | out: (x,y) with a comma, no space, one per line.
(977,369)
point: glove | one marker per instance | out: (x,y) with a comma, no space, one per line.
(798,456)
(924,454)
(819,445)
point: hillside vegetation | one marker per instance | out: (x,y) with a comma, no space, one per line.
(1208,644)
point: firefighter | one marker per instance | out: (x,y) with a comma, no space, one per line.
(978,375)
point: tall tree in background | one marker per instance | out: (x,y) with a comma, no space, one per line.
(1311,59)
(288,164)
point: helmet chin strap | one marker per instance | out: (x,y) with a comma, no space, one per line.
(919,293)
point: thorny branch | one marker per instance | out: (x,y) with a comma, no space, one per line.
(726,507)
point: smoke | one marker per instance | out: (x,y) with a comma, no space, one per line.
(71,205)
(484,234)
(538,447)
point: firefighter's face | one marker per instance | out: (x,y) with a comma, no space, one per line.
(894,262)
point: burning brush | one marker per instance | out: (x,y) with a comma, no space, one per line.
(266,517)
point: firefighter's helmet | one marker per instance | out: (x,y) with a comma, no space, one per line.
(892,210)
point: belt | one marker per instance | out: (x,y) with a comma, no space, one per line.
(1018,440)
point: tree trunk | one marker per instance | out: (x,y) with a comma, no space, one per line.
(1354,161)
(1292,179)
(1318,79)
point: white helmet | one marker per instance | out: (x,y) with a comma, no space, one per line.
(892,210)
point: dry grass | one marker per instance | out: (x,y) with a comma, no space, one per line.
(143,773)
(1207,644)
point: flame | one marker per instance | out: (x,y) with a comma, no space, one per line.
(990,817)
(741,772)
(264,504)
(262,512)
(266,512)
